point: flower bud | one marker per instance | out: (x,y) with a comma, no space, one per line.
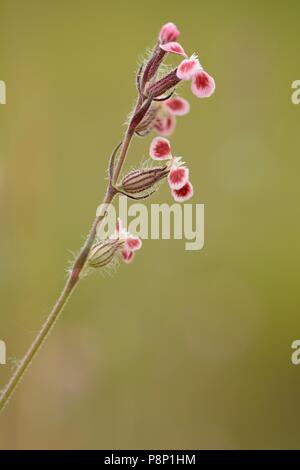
(102,253)
(139,115)
(153,65)
(141,180)
(168,32)
(157,58)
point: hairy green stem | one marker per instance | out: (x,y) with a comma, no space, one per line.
(71,282)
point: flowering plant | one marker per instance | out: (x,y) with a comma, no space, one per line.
(156,108)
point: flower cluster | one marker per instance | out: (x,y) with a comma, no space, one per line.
(178,176)
(162,113)
(157,108)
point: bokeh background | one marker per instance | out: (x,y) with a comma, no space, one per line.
(180,349)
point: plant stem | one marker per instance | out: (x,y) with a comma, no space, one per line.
(71,283)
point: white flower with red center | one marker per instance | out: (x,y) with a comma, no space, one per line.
(160,149)
(165,121)
(184,193)
(203,85)
(188,68)
(178,177)
(127,243)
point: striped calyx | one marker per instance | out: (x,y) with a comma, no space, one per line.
(102,253)
(138,181)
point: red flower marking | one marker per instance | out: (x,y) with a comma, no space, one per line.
(184,193)
(178,177)
(160,149)
(203,85)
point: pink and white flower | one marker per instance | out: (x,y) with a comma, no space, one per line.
(203,85)
(127,243)
(177,106)
(165,121)
(188,68)
(160,149)
(173,48)
(178,177)
(184,193)
(169,32)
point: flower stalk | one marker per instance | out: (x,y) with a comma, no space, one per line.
(155,109)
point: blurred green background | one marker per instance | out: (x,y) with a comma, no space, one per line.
(180,349)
